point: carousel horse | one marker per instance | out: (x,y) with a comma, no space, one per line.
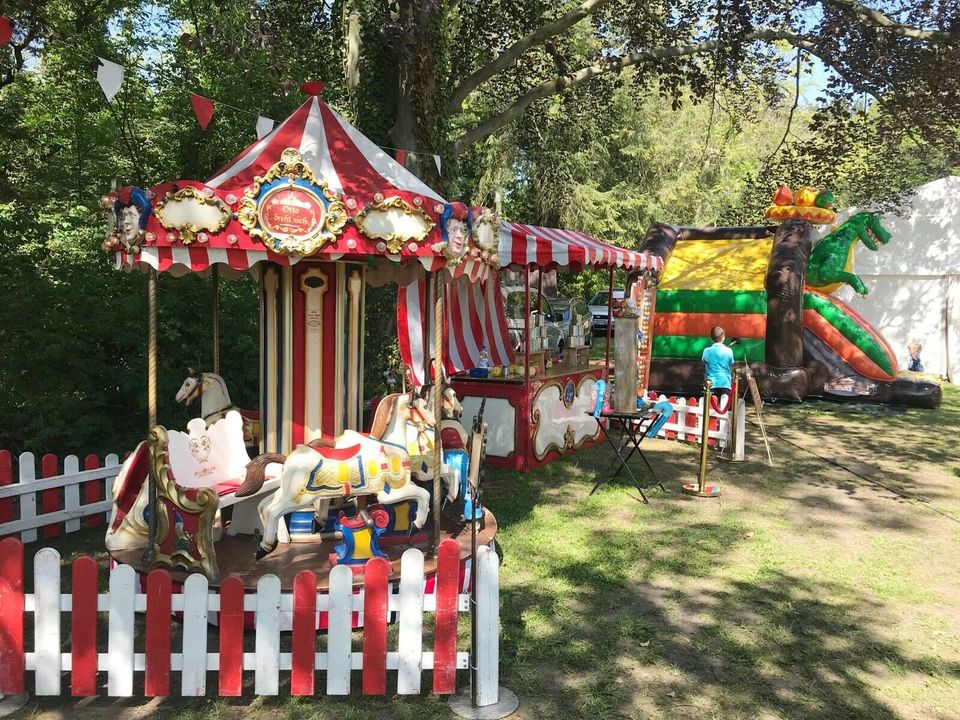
(351,464)
(215,402)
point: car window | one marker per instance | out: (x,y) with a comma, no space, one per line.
(600,298)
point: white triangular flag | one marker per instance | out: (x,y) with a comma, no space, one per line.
(264,126)
(436,161)
(110,77)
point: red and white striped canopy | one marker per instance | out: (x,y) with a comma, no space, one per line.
(550,248)
(339,155)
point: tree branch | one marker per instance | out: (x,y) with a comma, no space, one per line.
(509,56)
(881,20)
(551,87)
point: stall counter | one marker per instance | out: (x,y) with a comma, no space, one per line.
(532,424)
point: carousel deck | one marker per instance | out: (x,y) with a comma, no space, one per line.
(235,556)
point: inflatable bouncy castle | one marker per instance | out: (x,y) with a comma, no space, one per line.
(765,286)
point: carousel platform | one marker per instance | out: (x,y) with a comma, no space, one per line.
(236,557)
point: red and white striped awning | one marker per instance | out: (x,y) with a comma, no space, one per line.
(550,248)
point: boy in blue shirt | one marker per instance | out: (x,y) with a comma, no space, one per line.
(718,359)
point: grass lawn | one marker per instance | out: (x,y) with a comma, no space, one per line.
(826,587)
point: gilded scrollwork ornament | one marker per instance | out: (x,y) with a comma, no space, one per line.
(394,221)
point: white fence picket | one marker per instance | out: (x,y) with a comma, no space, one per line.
(411,622)
(123,592)
(194,673)
(111,461)
(487,641)
(267,673)
(339,631)
(28,501)
(46,620)
(71,493)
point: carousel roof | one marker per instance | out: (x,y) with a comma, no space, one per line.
(553,248)
(364,204)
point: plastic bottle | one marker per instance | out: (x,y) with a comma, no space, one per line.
(484,358)
(601,390)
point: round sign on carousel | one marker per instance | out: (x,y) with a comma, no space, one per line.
(294,212)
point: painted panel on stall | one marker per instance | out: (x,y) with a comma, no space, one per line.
(501,418)
(561,418)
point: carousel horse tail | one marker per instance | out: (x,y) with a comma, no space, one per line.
(256,470)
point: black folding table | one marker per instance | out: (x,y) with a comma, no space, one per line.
(634,427)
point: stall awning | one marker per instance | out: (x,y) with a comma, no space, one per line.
(550,248)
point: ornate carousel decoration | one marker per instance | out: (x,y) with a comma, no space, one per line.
(289,210)
(191,212)
(394,221)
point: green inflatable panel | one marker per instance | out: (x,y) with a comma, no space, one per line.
(690,347)
(712,301)
(848,327)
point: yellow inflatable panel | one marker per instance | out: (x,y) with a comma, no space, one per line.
(718,265)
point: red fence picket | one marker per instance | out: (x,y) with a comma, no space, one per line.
(231,637)
(156,681)
(50,499)
(6,477)
(445,637)
(93,491)
(375,599)
(303,652)
(13,660)
(83,627)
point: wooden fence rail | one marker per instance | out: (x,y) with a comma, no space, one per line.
(122,654)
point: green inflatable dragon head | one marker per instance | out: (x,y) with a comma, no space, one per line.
(830,263)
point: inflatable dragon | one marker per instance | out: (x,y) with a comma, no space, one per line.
(831,262)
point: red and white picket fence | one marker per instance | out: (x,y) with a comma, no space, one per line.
(686,423)
(88,650)
(52,502)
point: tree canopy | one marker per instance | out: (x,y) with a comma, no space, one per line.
(603,115)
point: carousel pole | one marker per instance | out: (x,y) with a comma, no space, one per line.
(526,325)
(609,323)
(437,396)
(151,407)
(215,278)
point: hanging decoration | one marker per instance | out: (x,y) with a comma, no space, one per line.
(807,203)
(110,77)
(203,109)
(401,157)
(436,161)
(289,210)
(264,126)
(6,30)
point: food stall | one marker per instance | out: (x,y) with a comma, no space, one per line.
(537,409)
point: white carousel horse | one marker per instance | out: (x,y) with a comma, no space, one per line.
(352,464)
(215,402)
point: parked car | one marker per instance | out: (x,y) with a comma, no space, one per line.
(564,311)
(514,304)
(598,308)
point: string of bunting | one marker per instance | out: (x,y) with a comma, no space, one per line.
(110,78)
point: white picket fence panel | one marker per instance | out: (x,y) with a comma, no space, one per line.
(23,496)
(121,662)
(688,425)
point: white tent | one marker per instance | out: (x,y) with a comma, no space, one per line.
(913,280)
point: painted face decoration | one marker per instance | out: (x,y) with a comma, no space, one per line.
(130,224)
(456,237)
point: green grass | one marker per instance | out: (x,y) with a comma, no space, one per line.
(805,591)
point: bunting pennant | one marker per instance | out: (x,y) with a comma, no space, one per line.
(264,126)
(6,30)
(402,157)
(203,109)
(436,161)
(110,77)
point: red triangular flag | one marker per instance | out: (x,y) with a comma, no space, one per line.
(202,108)
(6,30)
(402,157)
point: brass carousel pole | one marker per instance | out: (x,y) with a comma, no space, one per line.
(215,279)
(437,396)
(151,407)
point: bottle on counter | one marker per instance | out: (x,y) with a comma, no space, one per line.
(484,358)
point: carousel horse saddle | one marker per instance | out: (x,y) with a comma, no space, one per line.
(328,449)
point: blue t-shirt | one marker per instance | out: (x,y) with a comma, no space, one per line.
(719,359)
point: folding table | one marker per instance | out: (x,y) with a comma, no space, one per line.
(634,427)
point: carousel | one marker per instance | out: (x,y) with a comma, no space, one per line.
(316,212)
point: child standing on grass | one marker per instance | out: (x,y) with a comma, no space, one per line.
(915,365)
(718,359)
